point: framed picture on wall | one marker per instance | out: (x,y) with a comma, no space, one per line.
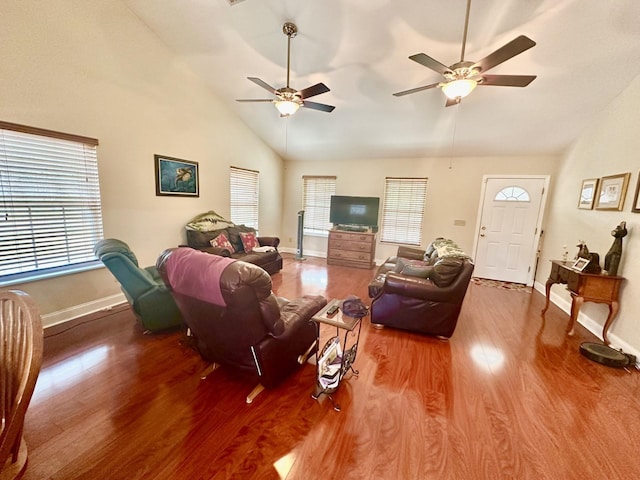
(636,201)
(176,177)
(588,193)
(612,191)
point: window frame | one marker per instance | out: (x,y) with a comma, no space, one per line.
(403,208)
(53,220)
(244,209)
(316,203)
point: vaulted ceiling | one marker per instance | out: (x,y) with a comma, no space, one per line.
(587,52)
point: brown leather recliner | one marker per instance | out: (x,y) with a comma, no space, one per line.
(236,319)
(423,305)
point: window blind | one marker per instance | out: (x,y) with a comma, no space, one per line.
(50,211)
(316,201)
(403,210)
(244,196)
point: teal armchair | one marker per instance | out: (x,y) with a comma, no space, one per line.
(145,290)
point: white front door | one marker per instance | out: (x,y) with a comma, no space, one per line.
(510,217)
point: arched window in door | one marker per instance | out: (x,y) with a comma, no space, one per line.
(512,194)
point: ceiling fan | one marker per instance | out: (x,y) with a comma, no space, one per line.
(462,77)
(287,100)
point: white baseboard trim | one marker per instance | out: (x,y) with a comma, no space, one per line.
(588,322)
(62,316)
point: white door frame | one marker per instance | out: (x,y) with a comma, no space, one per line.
(536,241)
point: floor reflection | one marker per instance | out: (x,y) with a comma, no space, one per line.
(70,371)
(488,358)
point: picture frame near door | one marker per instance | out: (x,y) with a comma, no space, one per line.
(176,177)
(636,200)
(580,264)
(588,193)
(612,191)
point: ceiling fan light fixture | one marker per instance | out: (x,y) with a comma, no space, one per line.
(459,88)
(287,107)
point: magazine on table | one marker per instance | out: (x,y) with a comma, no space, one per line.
(329,364)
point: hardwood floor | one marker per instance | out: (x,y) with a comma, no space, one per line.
(509,396)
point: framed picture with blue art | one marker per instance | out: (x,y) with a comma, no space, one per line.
(176,177)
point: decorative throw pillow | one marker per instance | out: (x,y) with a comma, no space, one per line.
(221,241)
(422,271)
(234,235)
(249,241)
(429,252)
(413,268)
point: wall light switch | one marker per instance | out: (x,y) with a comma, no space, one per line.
(459,223)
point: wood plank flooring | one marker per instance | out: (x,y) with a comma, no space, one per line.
(509,396)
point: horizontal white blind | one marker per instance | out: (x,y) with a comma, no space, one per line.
(403,210)
(50,212)
(316,201)
(244,196)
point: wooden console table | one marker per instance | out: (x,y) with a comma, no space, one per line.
(585,287)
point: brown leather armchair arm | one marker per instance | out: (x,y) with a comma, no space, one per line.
(410,252)
(269,241)
(277,356)
(420,288)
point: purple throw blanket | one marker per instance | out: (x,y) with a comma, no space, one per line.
(197,274)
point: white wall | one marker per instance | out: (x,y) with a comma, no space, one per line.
(92,68)
(610,147)
(452,193)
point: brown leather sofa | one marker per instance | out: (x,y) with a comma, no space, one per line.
(403,298)
(270,261)
(234,317)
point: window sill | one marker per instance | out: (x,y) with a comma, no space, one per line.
(51,273)
(316,234)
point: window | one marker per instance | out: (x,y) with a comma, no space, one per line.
(316,201)
(244,197)
(512,194)
(50,212)
(403,210)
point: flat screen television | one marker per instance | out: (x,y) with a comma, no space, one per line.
(356,211)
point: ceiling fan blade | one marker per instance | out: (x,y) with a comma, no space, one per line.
(254,100)
(427,61)
(507,80)
(414,90)
(263,84)
(318,106)
(504,53)
(313,90)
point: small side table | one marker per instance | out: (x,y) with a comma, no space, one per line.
(585,287)
(341,322)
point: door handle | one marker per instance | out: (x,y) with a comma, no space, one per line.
(482,234)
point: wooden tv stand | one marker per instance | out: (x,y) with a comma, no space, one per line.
(351,249)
